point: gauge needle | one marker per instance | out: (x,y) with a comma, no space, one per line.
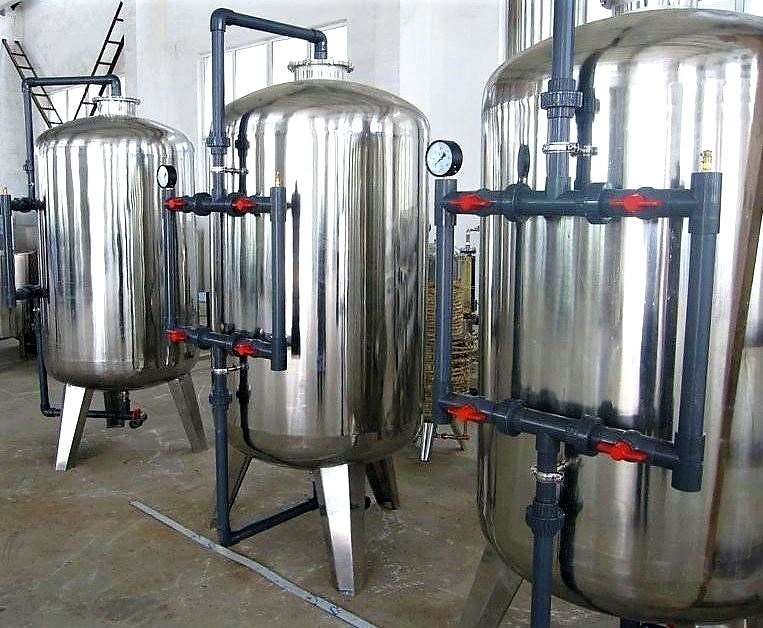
(444,155)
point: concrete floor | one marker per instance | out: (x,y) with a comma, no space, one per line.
(74,552)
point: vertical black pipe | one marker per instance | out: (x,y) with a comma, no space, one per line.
(703,227)
(42,371)
(169,223)
(278,278)
(218,142)
(444,225)
(561,85)
(220,399)
(545,519)
(8,295)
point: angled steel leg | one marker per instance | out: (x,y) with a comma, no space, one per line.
(383,480)
(494,587)
(342,495)
(73,416)
(427,436)
(187,404)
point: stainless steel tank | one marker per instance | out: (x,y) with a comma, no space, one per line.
(103,258)
(586,319)
(351,158)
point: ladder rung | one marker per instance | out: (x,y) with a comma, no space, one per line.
(111,41)
(18,54)
(119,19)
(48,108)
(25,67)
(106,63)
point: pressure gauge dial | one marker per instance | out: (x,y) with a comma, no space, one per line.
(166,176)
(444,158)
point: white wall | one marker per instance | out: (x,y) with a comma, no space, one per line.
(435,53)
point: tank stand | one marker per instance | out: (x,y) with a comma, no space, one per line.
(492,592)
(342,496)
(77,406)
(184,395)
(73,417)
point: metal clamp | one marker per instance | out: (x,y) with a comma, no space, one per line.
(554,477)
(573,149)
(227,370)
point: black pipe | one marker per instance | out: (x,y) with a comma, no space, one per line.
(596,204)
(220,399)
(444,225)
(274,520)
(8,295)
(278,279)
(169,224)
(704,228)
(562,99)
(585,434)
(545,519)
(218,142)
(27,85)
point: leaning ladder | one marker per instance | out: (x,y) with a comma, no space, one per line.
(112,47)
(25,69)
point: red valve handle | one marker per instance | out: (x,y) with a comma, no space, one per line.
(470,203)
(245,350)
(176,204)
(622,451)
(176,336)
(136,413)
(243,205)
(467,414)
(634,202)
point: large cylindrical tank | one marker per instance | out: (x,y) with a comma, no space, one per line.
(586,319)
(351,159)
(103,261)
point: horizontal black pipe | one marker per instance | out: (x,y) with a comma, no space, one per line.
(594,203)
(584,434)
(203,204)
(236,536)
(221,18)
(205,338)
(26,205)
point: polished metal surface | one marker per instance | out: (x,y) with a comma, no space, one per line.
(73,418)
(587,319)
(187,404)
(351,159)
(342,494)
(492,592)
(104,262)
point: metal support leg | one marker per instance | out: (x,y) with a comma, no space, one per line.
(76,404)
(341,495)
(427,437)
(187,404)
(383,480)
(492,592)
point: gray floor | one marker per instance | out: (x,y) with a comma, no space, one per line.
(74,552)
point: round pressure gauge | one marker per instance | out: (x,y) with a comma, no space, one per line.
(444,158)
(166,176)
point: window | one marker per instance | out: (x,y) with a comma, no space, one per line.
(67,100)
(259,65)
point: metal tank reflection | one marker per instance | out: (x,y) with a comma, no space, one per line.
(103,266)
(351,159)
(584,319)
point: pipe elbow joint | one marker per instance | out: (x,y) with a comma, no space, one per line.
(321,45)
(219,19)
